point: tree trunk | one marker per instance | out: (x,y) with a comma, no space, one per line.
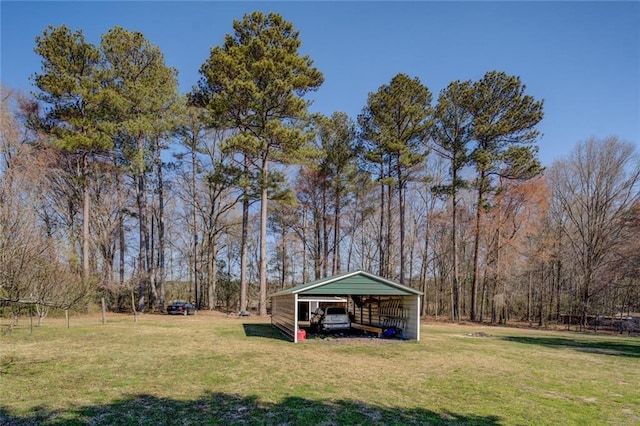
(497,278)
(305,273)
(85,217)
(122,246)
(402,212)
(558,281)
(325,233)
(283,258)
(454,244)
(412,250)
(381,244)
(389,248)
(424,271)
(151,260)
(133,307)
(351,244)
(476,249)
(424,267)
(213,273)
(262,300)
(454,303)
(194,218)
(317,249)
(243,242)
(161,236)
(483,297)
(529,296)
(143,277)
(121,233)
(541,297)
(336,234)
(586,295)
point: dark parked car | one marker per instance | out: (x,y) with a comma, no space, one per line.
(181,308)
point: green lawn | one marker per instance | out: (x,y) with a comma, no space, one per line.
(214,369)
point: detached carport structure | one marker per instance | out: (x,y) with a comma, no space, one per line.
(374,303)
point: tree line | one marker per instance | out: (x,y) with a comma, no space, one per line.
(114,186)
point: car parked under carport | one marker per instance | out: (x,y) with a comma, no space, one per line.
(332,318)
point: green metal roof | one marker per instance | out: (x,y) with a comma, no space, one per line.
(350,283)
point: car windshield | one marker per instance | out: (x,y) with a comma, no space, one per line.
(336,311)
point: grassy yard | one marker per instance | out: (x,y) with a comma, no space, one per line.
(213,369)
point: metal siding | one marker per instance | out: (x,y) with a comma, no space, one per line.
(283,314)
(412,327)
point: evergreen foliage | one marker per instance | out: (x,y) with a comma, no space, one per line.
(254,83)
(448,196)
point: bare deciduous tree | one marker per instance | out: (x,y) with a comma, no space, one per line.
(592,191)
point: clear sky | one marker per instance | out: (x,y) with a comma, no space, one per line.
(582,58)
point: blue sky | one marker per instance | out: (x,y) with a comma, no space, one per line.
(582,58)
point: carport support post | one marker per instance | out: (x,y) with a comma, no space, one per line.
(418,310)
(295,318)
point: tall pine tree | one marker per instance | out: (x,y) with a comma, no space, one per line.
(255,83)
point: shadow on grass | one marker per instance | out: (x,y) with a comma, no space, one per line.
(624,349)
(263,330)
(223,409)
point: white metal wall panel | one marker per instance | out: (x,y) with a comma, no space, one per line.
(283,314)
(411,306)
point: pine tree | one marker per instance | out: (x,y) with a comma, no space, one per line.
(255,83)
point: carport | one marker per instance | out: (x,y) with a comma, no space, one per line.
(373,302)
